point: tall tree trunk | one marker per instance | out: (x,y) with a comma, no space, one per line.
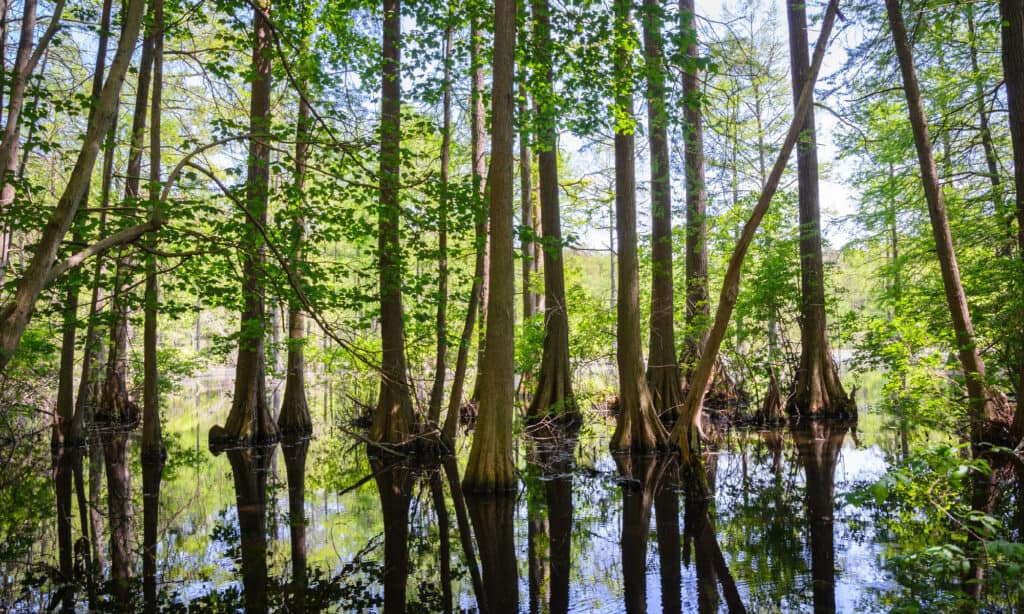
(393,419)
(116,406)
(490,467)
(698,308)
(15,315)
(527,243)
(818,391)
(294,417)
(152,438)
(249,421)
(638,429)
(478,165)
(441,320)
(554,386)
(686,433)
(663,377)
(983,406)
(1012,13)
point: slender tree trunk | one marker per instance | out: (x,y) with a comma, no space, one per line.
(152,439)
(554,386)
(116,406)
(394,485)
(983,406)
(686,433)
(295,417)
(296,448)
(119,510)
(818,391)
(477,137)
(666,518)
(490,467)
(152,475)
(638,429)
(444,538)
(1012,13)
(393,419)
(14,316)
(441,320)
(249,421)
(663,376)
(527,243)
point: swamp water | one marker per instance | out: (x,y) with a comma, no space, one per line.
(318,525)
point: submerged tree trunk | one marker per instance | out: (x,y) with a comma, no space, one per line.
(15,315)
(296,448)
(249,470)
(686,433)
(983,406)
(119,510)
(394,487)
(638,429)
(393,418)
(490,467)
(494,526)
(666,522)
(441,320)
(554,385)
(640,477)
(1012,13)
(818,391)
(152,475)
(663,377)
(698,309)
(249,421)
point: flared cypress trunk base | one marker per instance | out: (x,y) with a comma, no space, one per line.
(772,409)
(818,393)
(666,388)
(638,430)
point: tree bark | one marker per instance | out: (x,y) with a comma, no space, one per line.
(663,376)
(296,448)
(249,421)
(394,487)
(477,137)
(441,319)
(818,391)
(494,526)
(698,309)
(115,405)
(152,439)
(119,509)
(294,417)
(638,429)
(527,243)
(686,433)
(18,312)
(393,419)
(1012,13)
(490,468)
(554,386)
(249,470)
(983,406)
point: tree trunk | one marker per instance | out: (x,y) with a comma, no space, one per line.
(698,309)
(818,391)
(663,377)
(554,385)
(152,438)
(152,475)
(116,406)
(666,522)
(490,467)
(393,419)
(441,321)
(527,243)
(640,476)
(1012,13)
(249,421)
(638,429)
(14,316)
(983,406)
(296,448)
(294,417)
(477,137)
(686,433)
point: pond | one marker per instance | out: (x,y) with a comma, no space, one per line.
(320,525)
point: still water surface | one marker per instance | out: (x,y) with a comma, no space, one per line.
(318,524)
